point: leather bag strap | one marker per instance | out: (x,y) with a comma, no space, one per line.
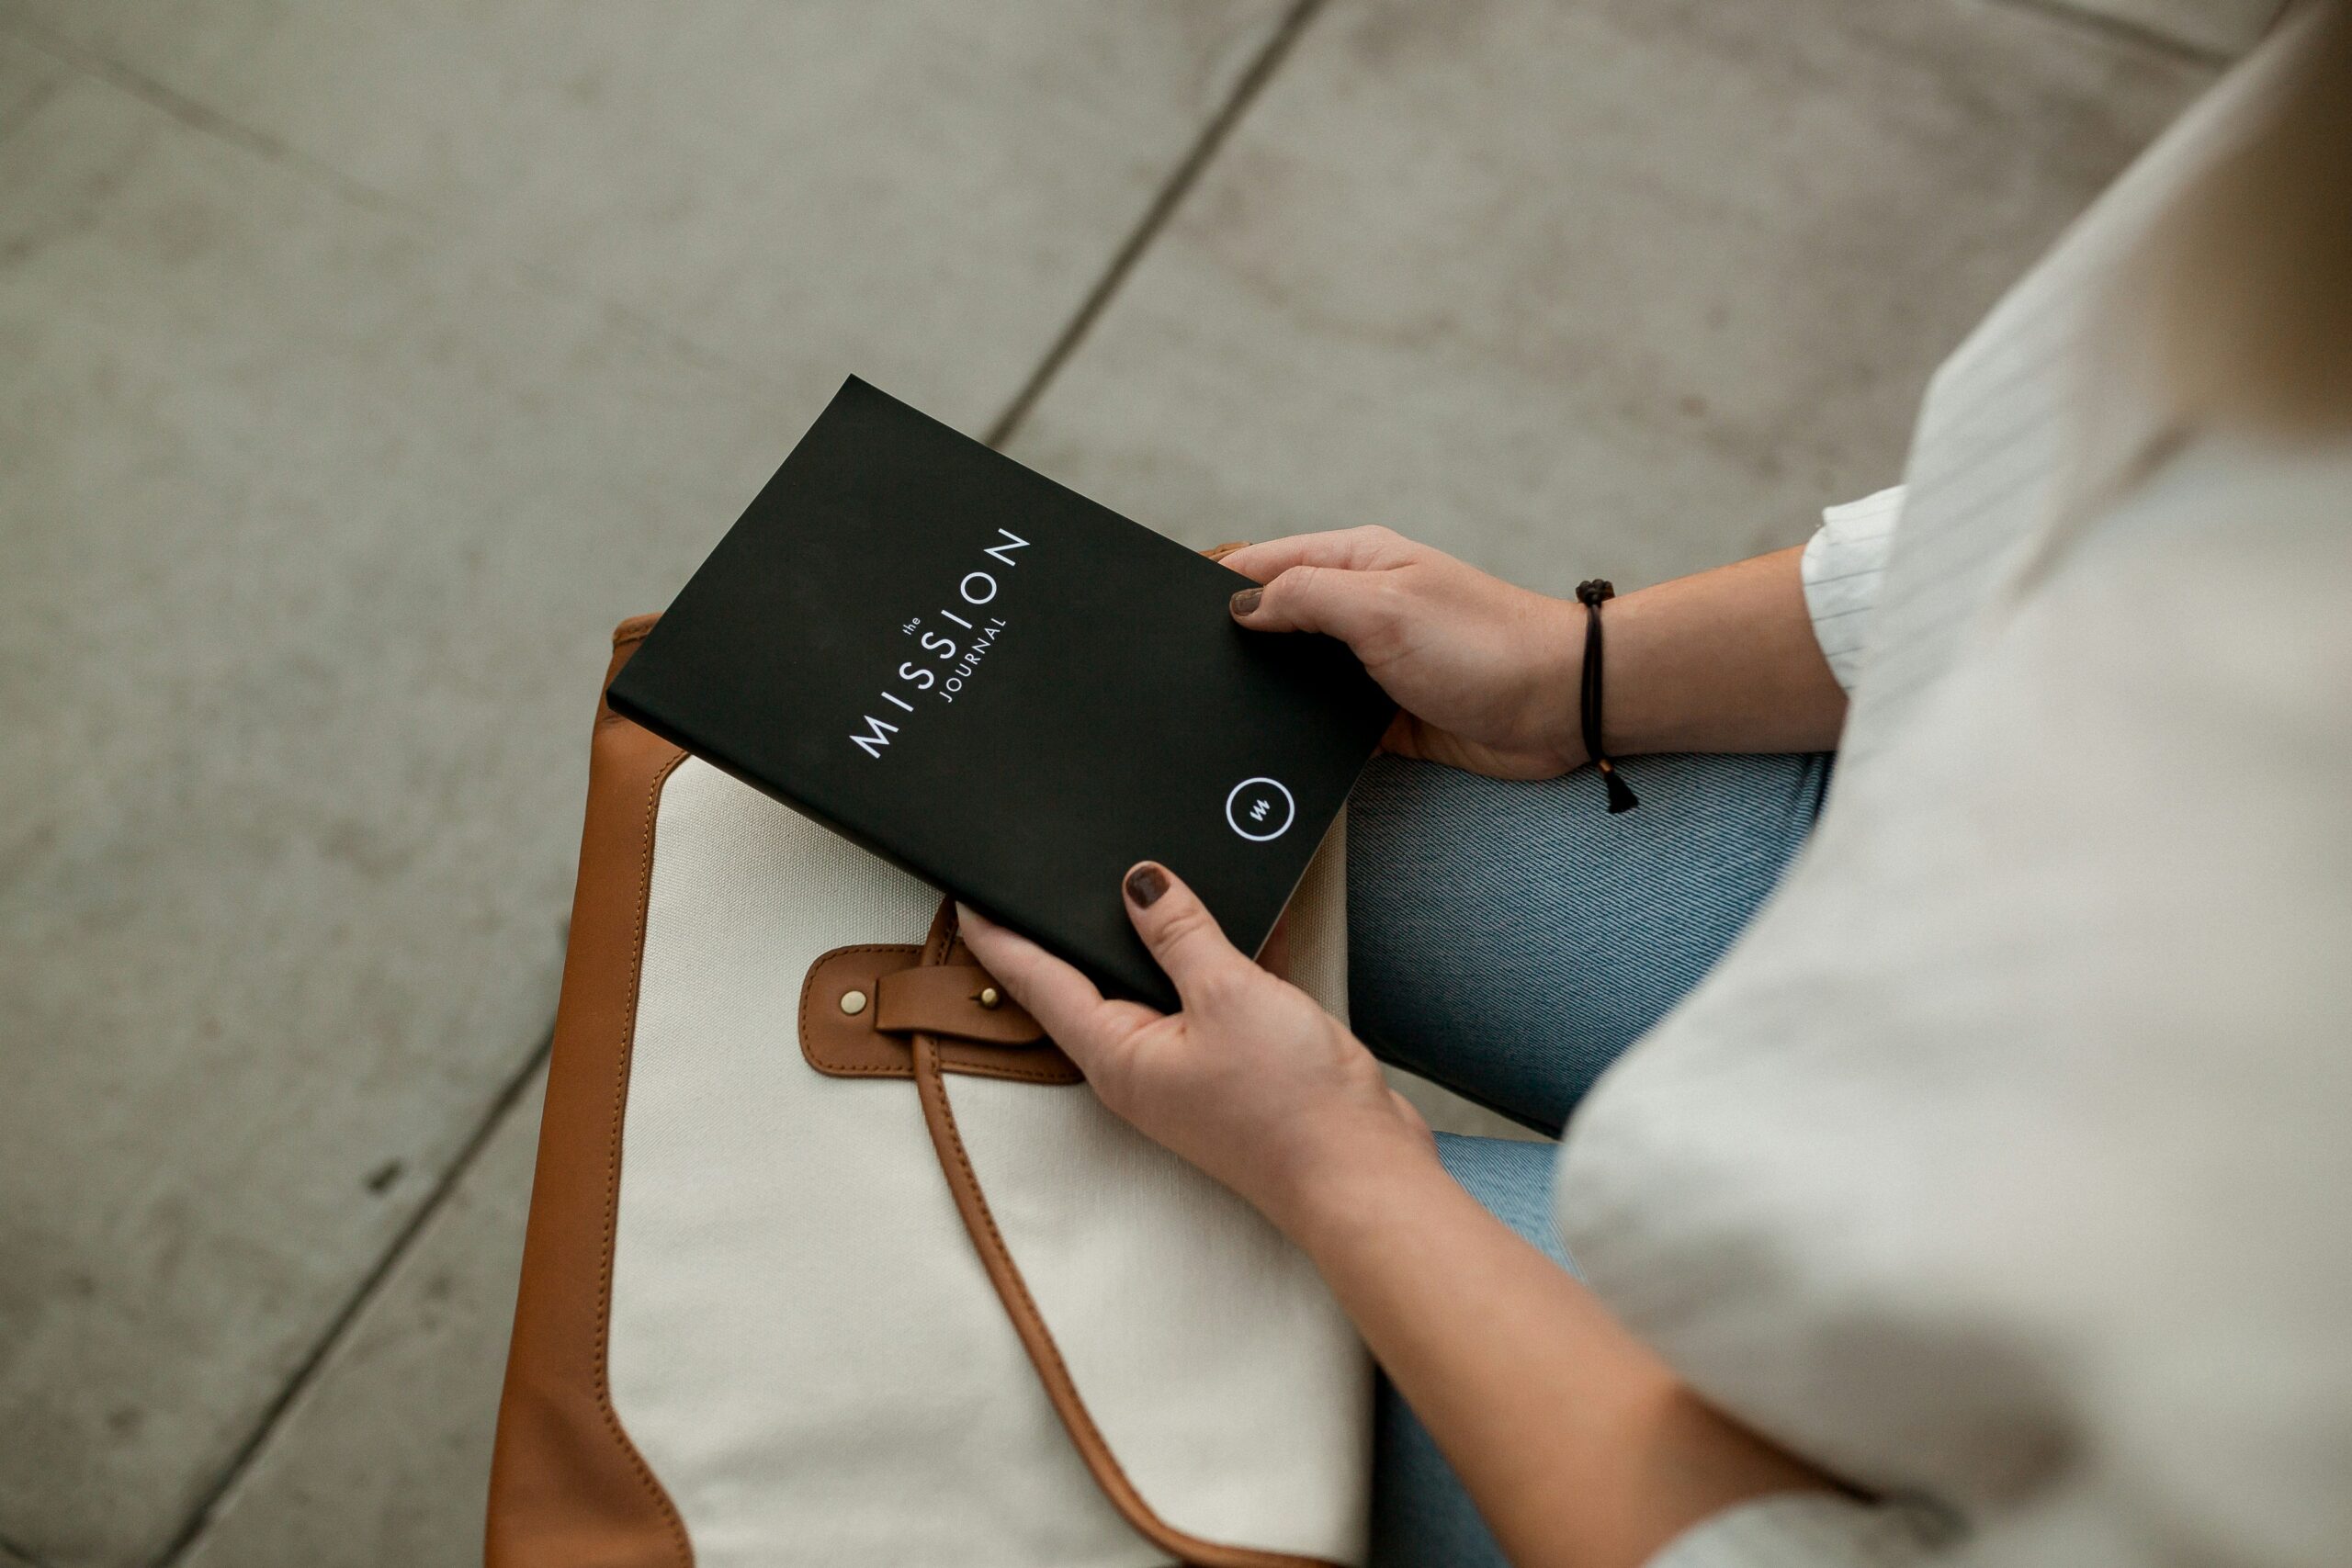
(930,1069)
(961,1000)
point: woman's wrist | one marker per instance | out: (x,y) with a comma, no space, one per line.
(1724,661)
(1553,666)
(1341,1181)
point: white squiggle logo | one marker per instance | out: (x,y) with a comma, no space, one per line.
(1260,810)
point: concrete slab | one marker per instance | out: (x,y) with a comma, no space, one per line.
(766,183)
(316,515)
(385,1458)
(312,528)
(1615,287)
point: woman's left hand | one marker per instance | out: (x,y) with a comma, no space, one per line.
(1578,1443)
(1252,1081)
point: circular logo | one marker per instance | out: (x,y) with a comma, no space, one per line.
(1260,810)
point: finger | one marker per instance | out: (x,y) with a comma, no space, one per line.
(1355,550)
(1065,1003)
(1183,937)
(1347,604)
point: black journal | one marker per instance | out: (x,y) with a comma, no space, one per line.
(1006,689)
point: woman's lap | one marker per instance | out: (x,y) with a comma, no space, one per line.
(1510,940)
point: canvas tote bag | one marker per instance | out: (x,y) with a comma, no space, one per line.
(829,1262)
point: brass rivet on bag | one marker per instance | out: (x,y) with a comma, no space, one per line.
(990,997)
(853,1002)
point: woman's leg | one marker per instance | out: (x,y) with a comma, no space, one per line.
(1510,940)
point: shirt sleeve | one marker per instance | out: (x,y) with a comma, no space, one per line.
(1810,1531)
(1843,564)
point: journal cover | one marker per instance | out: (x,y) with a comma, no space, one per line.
(1010,691)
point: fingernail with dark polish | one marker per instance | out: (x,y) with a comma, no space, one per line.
(1144,884)
(1247,600)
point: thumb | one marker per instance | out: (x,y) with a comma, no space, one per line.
(1333,600)
(1183,937)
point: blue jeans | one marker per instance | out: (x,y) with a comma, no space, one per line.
(1510,940)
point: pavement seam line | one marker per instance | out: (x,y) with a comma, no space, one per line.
(2119,30)
(440,230)
(198,117)
(338,1329)
(1172,194)
(12,1554)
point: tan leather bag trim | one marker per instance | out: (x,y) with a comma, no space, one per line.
(944,999)
(996,1258)
(566,1487)
(844,1045)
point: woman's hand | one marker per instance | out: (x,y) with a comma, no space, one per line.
(1581,1449)
(1485,672)
(1252,1081)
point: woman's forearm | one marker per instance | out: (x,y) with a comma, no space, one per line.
(1581,1449)
(1724,661)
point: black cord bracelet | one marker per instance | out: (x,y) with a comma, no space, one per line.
(1591,596)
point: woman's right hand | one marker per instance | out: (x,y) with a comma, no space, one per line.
(1485,672)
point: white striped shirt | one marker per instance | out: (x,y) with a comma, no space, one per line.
(2000,1166)
(1843,563)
